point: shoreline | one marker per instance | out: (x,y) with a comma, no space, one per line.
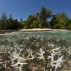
(34,30)
(44,29)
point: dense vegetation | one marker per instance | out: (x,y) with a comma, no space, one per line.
(38,20)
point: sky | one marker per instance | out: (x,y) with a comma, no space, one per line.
(23,8)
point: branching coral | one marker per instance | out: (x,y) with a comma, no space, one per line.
(41,54)
(56,63)
(30,54)
(1,60)
(15,56)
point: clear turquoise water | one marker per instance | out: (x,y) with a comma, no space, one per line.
(37,40)
(22,38)
(46,34)
(62,35)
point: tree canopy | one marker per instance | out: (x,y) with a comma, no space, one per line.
(38,20)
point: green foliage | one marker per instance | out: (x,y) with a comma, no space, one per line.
(9,23)
(38,20)
(45,13)
(53,21)
(60,21)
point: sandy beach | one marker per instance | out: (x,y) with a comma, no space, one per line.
(43,29)
(33,30)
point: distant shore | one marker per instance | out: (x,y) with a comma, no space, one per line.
(43,29)
(34,30)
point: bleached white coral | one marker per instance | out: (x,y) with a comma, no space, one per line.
(30,54)
(51,45)
(56,63)
(15,55)
(41,54)
(1,60)
(69,50)
(19,65)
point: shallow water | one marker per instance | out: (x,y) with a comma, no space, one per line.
(36,41)
(16,39)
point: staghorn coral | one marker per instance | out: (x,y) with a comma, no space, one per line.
(27,53)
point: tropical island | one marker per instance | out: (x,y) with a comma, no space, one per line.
(40,51)
(42,19)
(35,35)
